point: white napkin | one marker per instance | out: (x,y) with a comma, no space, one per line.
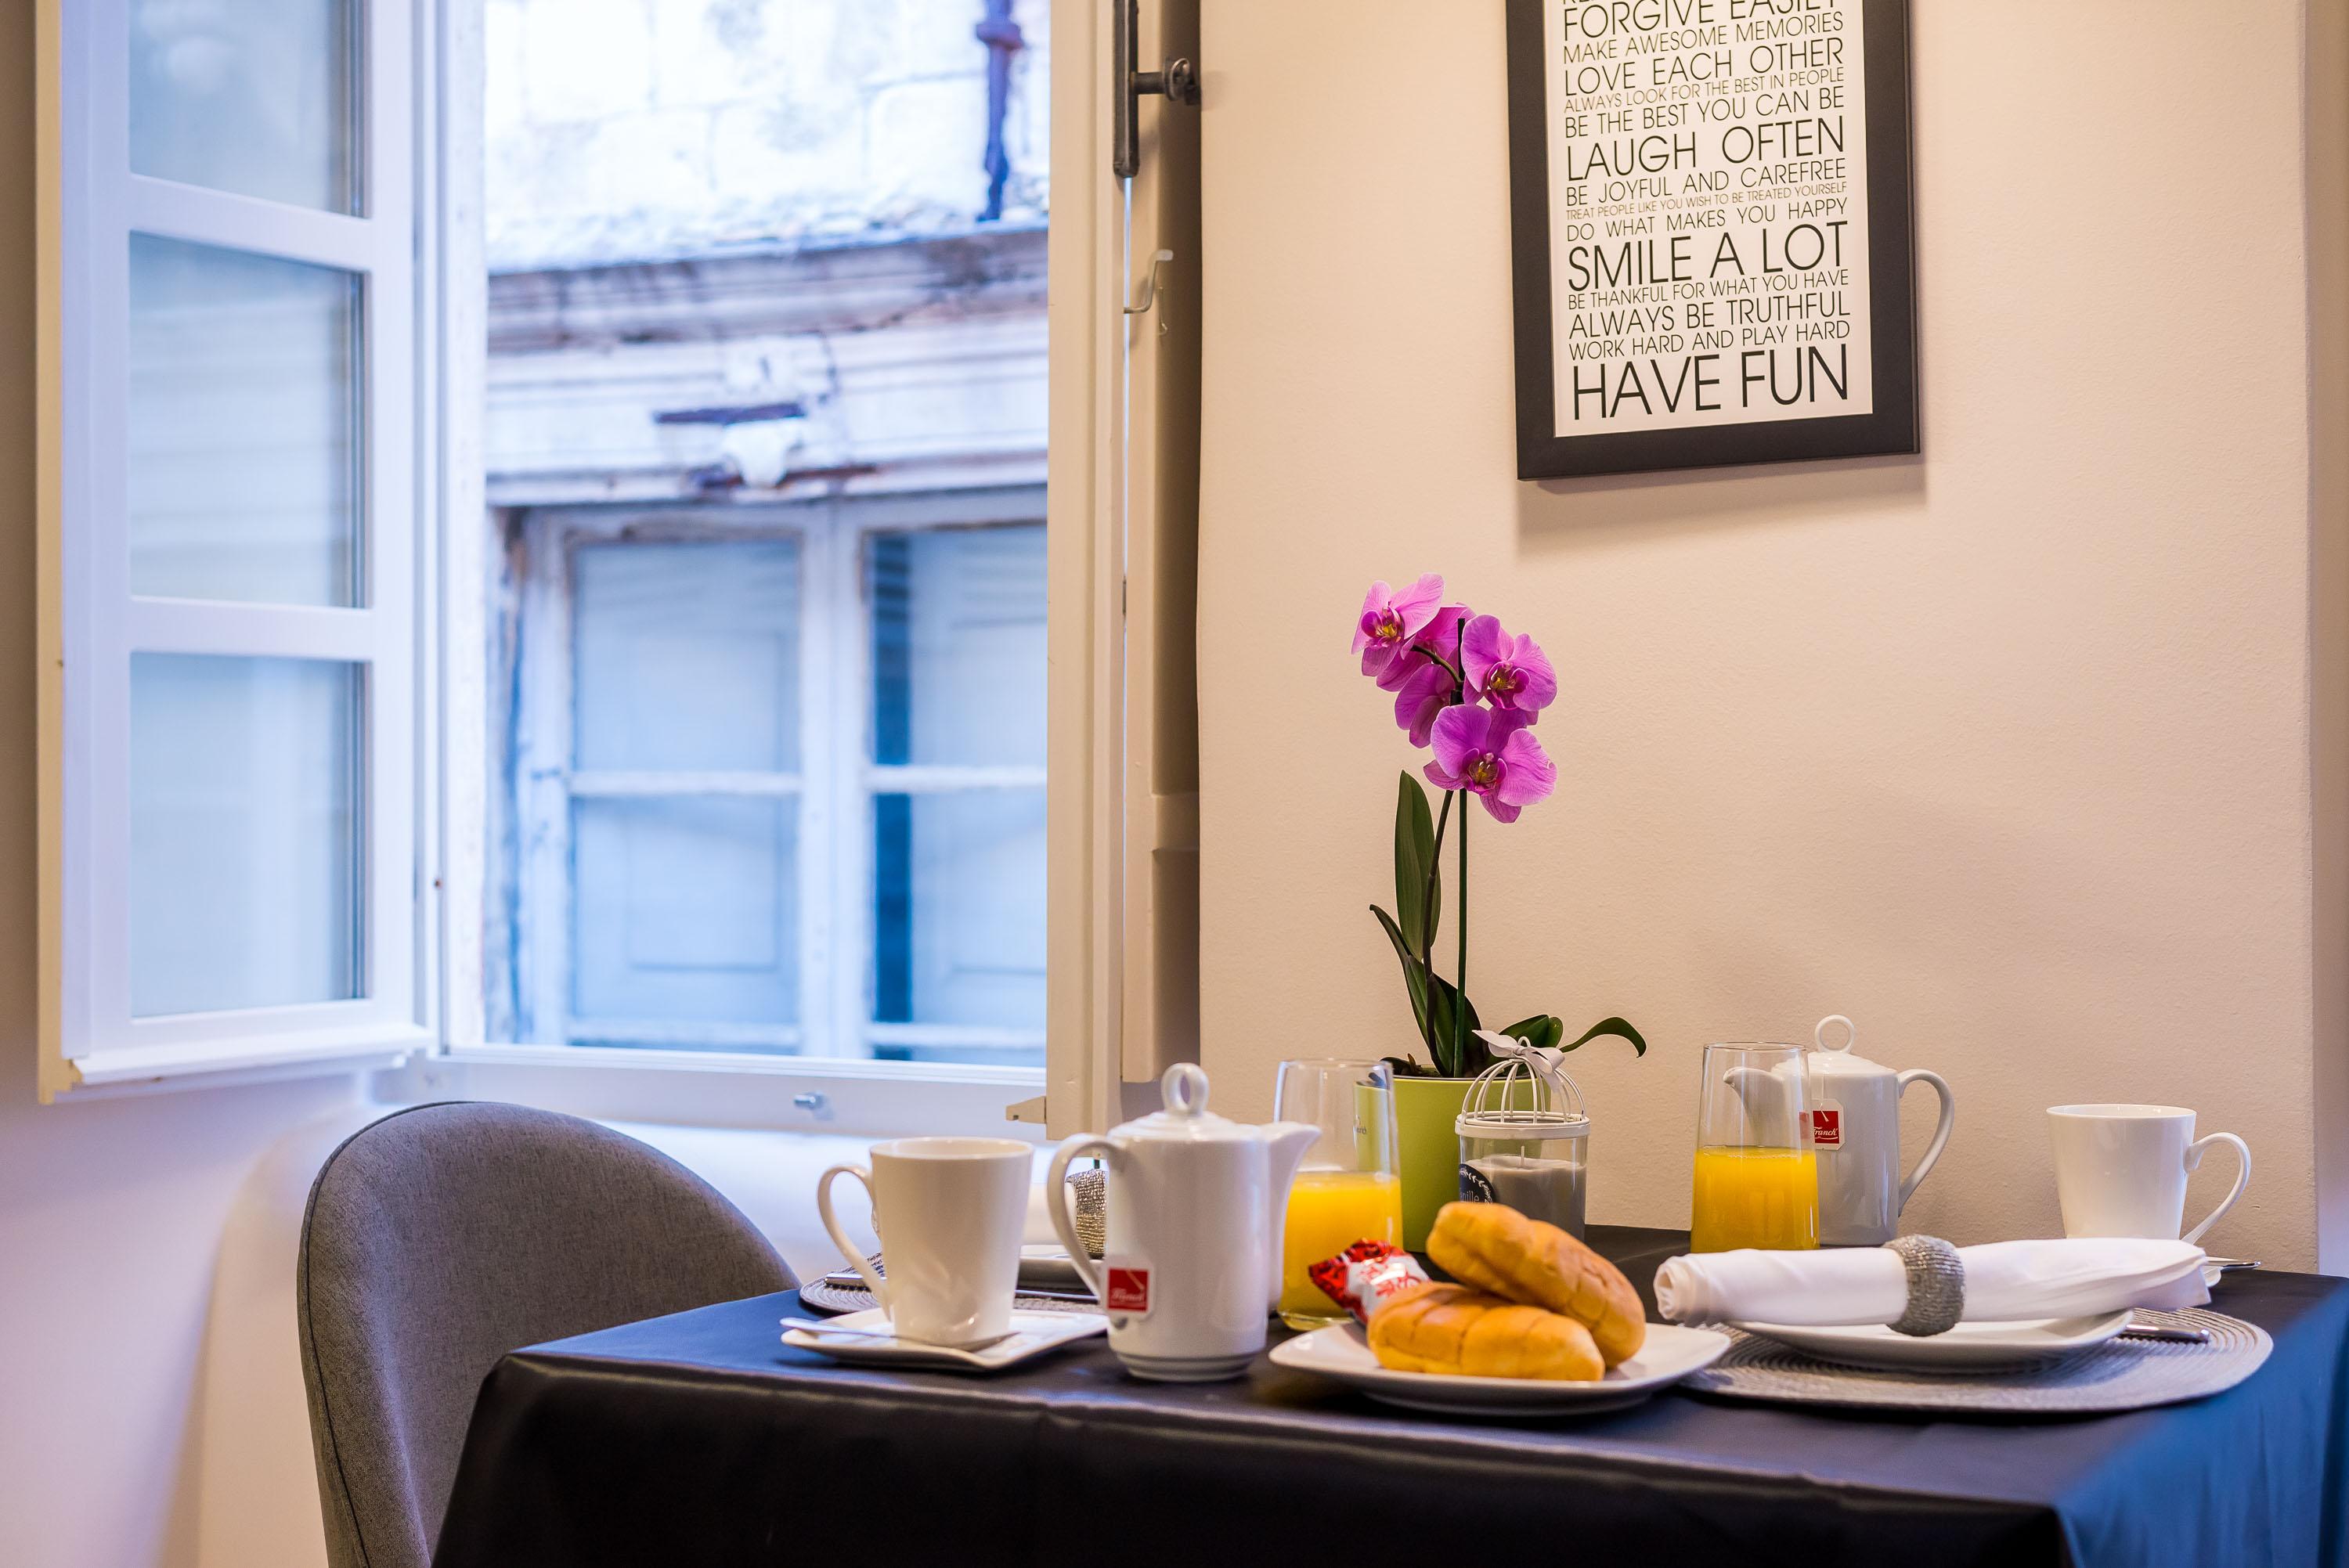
(2005,1281)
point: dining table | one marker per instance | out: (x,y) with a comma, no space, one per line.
(702,1440)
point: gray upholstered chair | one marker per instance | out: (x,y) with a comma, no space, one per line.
(443,1236)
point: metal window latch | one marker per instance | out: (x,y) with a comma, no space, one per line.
(1179,82)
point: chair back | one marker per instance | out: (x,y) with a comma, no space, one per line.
(443,1236)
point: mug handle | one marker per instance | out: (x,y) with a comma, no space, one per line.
(1940,1132)
(2242,1177)
(1065,1224)
(856,1259)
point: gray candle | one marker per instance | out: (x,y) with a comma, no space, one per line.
(1540,1188)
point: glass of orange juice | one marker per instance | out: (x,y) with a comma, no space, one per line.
(1757,1179)
(1347,1190)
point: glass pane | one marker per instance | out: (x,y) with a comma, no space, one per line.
(958,646)
(687,910)
(246,883)
(686,656)
(958,911)
(255,97)
(244,441)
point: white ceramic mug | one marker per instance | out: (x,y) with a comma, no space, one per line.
(949,1211)
(2120,1169)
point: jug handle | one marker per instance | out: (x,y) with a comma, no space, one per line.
(1940,1132)
(1065,1224)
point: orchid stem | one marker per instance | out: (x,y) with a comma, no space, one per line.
(1459,977)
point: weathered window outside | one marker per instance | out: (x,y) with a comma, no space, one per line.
(765,452)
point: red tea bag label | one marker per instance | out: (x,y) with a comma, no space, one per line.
(1826,1126)
(1128,1290)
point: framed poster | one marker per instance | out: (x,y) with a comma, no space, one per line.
(1711,209)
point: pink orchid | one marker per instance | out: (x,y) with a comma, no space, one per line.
(1439,641)
(1392,619)
(1425,691)
(1492,755)
(1511,673)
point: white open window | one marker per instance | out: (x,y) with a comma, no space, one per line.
(228,544)
(277,833)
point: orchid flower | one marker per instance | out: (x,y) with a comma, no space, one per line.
(1392,619)
(1492,755)
(1511,673)
(1426,691)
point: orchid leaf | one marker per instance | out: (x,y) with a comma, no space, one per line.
(1442,997)
(1415,850)
(1541,1031)
(1616,1026)
(1414,975)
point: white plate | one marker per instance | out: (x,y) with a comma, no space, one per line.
(1967,1347)
(1343,1352)
(1032,1334)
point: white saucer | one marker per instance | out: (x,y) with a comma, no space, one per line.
(1967,1347)
(1033,1334)
(1341,1351)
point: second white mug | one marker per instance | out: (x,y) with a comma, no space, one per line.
(949,1211)
(2121,1170)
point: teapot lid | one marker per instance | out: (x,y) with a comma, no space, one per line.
(1840,1059)
(1185,1117)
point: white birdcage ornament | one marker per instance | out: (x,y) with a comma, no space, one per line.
(1522,1133)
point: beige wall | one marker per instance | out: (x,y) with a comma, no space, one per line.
(2004,750)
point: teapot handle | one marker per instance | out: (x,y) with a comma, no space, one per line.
(1056,1204)
(1940,1132)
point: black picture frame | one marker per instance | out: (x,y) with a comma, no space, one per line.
(1891,427)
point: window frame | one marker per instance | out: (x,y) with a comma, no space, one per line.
(836,786)
(437,1047)
(89,622)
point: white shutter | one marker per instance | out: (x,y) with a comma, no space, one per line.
(1161,592)
(227,542)
(1123,894)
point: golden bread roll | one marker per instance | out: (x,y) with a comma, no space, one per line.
(1495,1249)
(1452,1329)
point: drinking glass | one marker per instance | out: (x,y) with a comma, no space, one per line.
(1757,1179)
(1347,1190)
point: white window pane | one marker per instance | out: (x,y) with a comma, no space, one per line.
(685,909)
(254,96)
(958,908)
(243,440)
(245,885)
(685,655)
(958,646)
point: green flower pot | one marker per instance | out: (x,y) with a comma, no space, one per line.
(1427,1147)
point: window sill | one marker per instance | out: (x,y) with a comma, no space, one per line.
(135,1069)
(725,1089)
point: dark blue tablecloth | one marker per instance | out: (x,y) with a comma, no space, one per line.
(702,1440)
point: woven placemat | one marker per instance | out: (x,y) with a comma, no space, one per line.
(828,1297)
(2118,1374)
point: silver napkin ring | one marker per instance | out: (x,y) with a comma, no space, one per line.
(1937,1284)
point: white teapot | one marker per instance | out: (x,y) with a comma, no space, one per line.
(1855,1116)
(1195,1208)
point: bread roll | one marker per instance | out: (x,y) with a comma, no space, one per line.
(1452,1329)
(1497,1250)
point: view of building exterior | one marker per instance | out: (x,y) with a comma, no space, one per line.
(766,463)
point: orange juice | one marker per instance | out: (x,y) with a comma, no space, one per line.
(1754,1198)
(1330,1211)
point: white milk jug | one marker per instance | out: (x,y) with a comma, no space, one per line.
(1855,1114)
(1195,1208)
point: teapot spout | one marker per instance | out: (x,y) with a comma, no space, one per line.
(1286,1144)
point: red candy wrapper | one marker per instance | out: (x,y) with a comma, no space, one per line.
(1366,1276)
